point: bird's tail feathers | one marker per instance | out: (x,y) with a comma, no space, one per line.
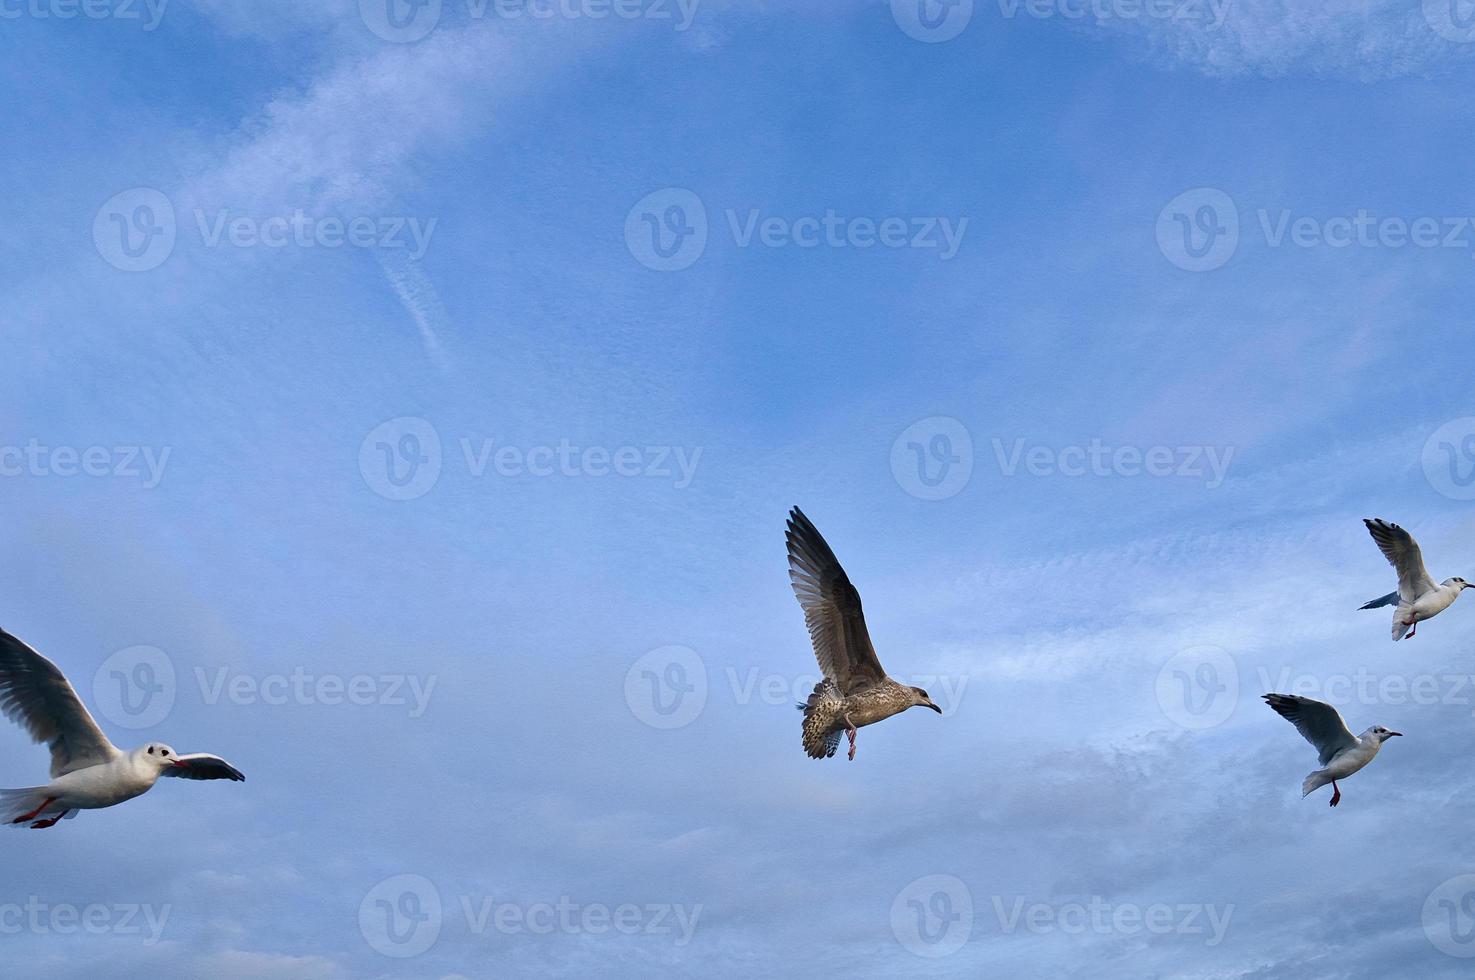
(821,712)
(1400,622)
(16,804)
(1314,781)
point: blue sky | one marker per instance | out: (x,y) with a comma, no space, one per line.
(428,487)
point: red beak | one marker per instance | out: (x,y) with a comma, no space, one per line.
(182,765)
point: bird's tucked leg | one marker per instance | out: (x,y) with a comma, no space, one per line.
(1336,794)
(850,733)
(1413,632)
(43,824)
(36,812)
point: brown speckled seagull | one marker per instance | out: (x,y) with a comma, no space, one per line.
(855,690)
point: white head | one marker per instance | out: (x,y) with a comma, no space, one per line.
(920,699)
(1380,733)
(1457,581)
(159,755)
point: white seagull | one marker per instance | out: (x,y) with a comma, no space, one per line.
(1417,598)
(1339,751)
(87,771)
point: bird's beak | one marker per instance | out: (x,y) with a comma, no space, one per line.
(934,707)
(182,765)
(1391,734)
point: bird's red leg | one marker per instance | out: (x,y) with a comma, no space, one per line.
(43,824)
(1413,632)
(36,812)
(850,732)
(1336,793)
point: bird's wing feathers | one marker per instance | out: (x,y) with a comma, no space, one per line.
(1318,722)
(202,765)
(1402,552)
(832,610)
(37,696)
(1391,599)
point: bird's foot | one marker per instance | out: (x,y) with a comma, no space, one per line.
(850,732)
(43,824)
(1336,795)
(1413,632)
(36,812)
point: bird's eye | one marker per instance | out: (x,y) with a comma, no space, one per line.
(164,751)
(151,750)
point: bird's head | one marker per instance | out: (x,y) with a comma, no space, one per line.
(1382,733)
(919,697)
(160,755)
(1457,581)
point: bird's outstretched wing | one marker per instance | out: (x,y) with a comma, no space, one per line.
(1317,721)
(1402,552)
(832,611)
(1391,599)
(202,765)
(37,696)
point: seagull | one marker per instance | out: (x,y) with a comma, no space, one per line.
(87,771)
(855,690)
(1417,598)
(1340,752)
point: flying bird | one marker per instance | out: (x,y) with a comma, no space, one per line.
(855,690)
(1417,598)
(88,772)
(1340,753)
